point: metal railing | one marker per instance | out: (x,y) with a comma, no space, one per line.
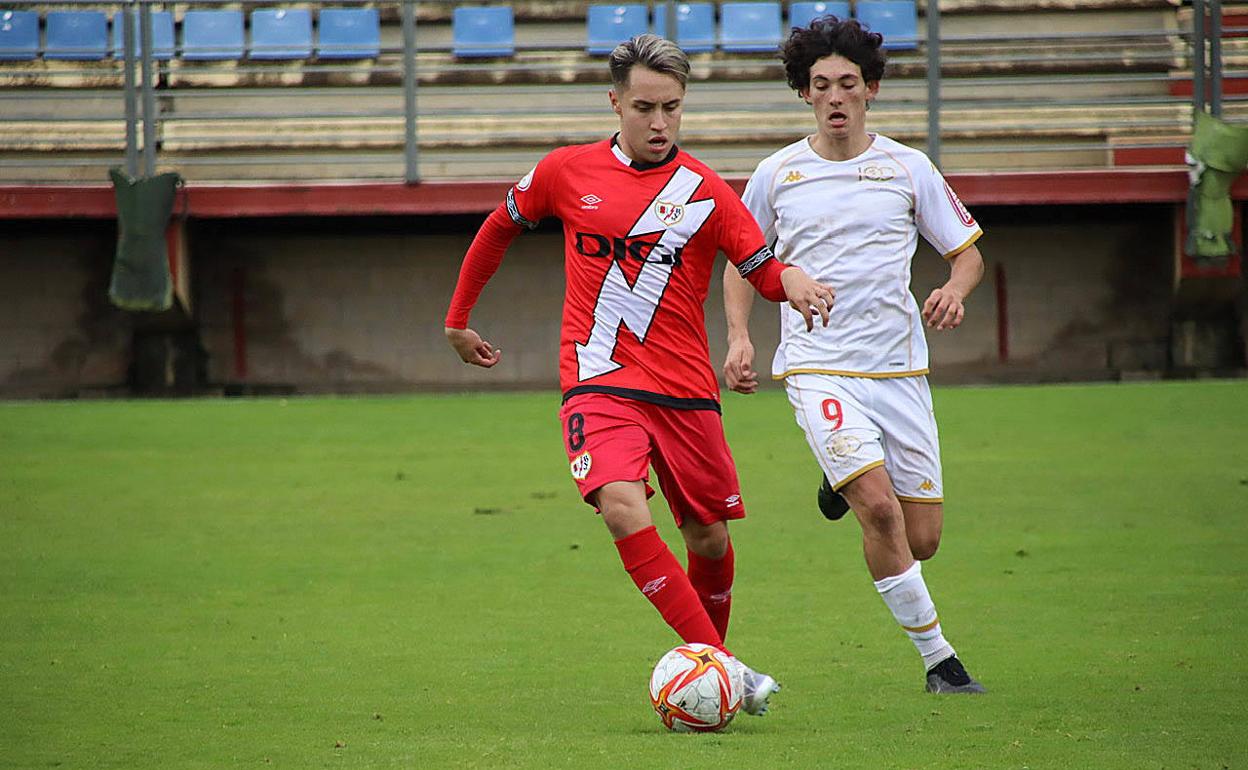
(999,99)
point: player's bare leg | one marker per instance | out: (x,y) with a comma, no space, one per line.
(623,507)
(884,543)
(711,566)
(899,579)
(924,522)
(650,563)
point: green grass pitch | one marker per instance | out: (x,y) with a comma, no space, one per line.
(412,582)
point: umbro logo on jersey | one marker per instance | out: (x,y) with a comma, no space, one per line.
(874,173)
(793,176)
(733,500)
(590,202)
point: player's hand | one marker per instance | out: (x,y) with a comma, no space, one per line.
(472,349)
(943,309)
(739,367)
(807,296)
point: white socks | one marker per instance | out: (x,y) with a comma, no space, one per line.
(906,595)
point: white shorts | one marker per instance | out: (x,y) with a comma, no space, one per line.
(854,424)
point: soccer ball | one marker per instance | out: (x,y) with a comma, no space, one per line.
(696,688)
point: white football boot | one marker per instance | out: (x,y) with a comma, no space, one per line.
(758,688)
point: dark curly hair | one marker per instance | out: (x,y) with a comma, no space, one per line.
(827,36)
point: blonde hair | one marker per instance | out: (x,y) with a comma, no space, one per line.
(653,53)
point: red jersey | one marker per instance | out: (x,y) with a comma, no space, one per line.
(640,242)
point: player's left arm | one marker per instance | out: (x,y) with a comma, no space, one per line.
(944,306)
(946,224)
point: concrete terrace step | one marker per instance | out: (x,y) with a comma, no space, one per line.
(740,126)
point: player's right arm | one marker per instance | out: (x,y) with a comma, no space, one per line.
(527,202)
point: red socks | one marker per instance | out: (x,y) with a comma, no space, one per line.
(664,582)
(712,580)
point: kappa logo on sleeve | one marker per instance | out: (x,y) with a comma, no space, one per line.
(581,466)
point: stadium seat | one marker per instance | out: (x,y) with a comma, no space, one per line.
(695,25)
(896,20)
(349,33)
(802,13)
(212,35)
(749,27)
(19,35)
(281,33)
(609,25)
(76,35)
(162,35)
(483,31)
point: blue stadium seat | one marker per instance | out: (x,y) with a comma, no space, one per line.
(749,27)
(802,13)
(483,31)
(212,35)
(76,35)
(19,35)
(896,20)
(695,25)
(349,33)
(609,25)
(162,35)
(281,33)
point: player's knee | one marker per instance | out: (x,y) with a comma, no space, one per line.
(924,545)
(881,515)
(623,513)
(711,542)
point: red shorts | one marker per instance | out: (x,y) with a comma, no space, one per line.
(609,438)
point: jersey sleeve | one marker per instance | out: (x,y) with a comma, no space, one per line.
(742,241)
(757,198)
(480,263)
(531,199)
(942,219)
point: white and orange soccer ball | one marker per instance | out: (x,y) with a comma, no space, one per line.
(696,688)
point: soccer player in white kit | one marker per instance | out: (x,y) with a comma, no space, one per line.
(848,206)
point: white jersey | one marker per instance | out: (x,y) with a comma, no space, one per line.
(854,225)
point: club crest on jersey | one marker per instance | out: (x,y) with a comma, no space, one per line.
(669,213)
(843,445)
(581,466)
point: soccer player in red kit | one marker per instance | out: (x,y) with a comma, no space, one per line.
(642,224)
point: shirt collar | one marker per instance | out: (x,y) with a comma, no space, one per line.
(638,164)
